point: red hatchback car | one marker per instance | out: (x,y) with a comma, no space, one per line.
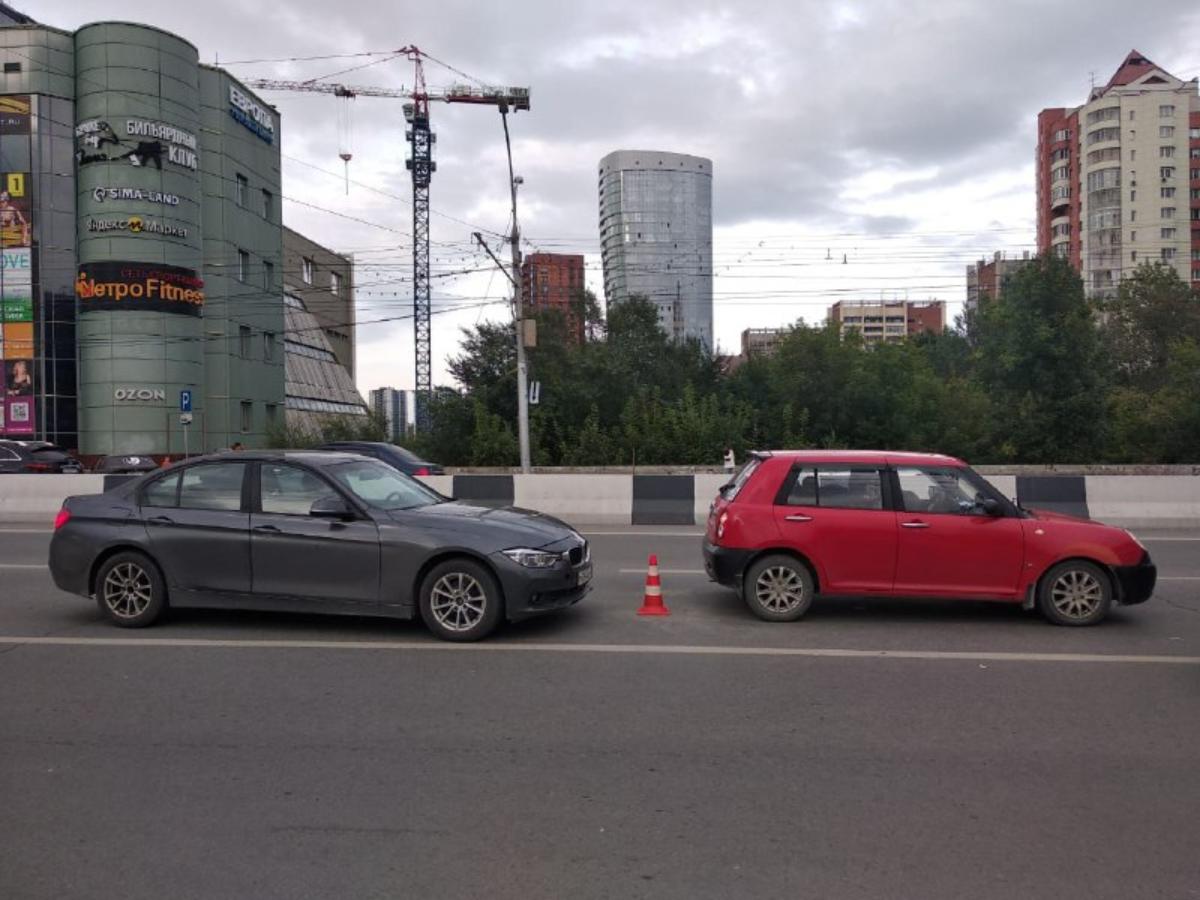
(792,525)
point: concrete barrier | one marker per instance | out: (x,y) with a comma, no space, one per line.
(35,497)
(594,499)
(1133,500)
(1144,501)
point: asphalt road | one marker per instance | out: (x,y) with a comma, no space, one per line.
(876,749)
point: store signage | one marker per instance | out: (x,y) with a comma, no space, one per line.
(137,225)
(140,394)
(18,361)
(139,286)
(92,136)
(251,114)
(102,194)
(14,114)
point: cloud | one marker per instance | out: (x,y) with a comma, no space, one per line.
(896,121)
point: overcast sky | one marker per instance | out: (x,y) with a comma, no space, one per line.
(898,136)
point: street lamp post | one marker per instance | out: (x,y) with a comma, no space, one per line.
(518,307)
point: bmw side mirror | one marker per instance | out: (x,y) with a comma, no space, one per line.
(331,506)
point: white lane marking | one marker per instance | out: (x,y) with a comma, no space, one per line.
(23,566)
(1179,577)
(642,533)
(642,649)
(1157,540)
(25,531)
(664,572)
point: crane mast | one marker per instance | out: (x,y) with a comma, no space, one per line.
(421,166)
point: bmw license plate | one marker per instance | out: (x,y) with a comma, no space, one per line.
(584,575)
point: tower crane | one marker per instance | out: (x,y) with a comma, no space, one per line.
(422,166)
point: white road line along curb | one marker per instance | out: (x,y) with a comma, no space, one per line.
(642,649)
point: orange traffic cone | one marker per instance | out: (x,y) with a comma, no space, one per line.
(652,602)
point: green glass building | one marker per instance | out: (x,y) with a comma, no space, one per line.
(142,250)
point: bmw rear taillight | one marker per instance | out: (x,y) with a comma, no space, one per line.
(63,517)
(422,471)
(37,467)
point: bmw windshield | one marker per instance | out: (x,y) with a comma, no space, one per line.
(381,487)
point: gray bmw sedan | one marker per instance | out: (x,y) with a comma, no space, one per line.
(313,532)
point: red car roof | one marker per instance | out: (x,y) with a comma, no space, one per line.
(868,457)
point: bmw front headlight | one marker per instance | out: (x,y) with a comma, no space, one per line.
(533,559)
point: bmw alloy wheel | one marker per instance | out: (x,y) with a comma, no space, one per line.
(458,601)
(128,590)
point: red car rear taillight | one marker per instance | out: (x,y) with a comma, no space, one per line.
(63,517)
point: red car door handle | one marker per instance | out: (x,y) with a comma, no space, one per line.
(914,524)
(798,518)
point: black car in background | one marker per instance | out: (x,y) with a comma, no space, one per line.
(396,457)
(306,531)
(125,465)
(36,457)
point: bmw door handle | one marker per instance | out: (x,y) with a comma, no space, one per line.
(797,517)
(914,524)
(160,520)
(266,529)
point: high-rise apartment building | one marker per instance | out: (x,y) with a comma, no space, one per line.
(656,237)
(887,320)
(990,278)
(555,281)
(392,406)
(1118,178)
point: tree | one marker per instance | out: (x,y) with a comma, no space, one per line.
(1037,357)
(1154,308)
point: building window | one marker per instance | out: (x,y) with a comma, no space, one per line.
(1168,254)
(268,204)
(1195,173)
(1167,212)
(269,346)
(1166,111)
(335,284)
(268,276)
(1194,153)
(1133,237)
(1133,256)
(1167,234)
(1131,115)
(1132,196)
(306,270)
(1062,173)
(1167,152)
(1166,192)
(271,409)
(239,190)
(1194,134)
(1166,172)
(1196,193)
(1133,215)
(1133,156)
(1166,131)
(243,269)
(247,417)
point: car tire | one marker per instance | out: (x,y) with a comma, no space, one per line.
(1075,592)
(778,588)
(130,590)
(460,600)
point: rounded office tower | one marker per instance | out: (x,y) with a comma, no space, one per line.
(139,282)
(656,236)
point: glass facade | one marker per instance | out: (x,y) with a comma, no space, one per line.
(656,237)
(125,172)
